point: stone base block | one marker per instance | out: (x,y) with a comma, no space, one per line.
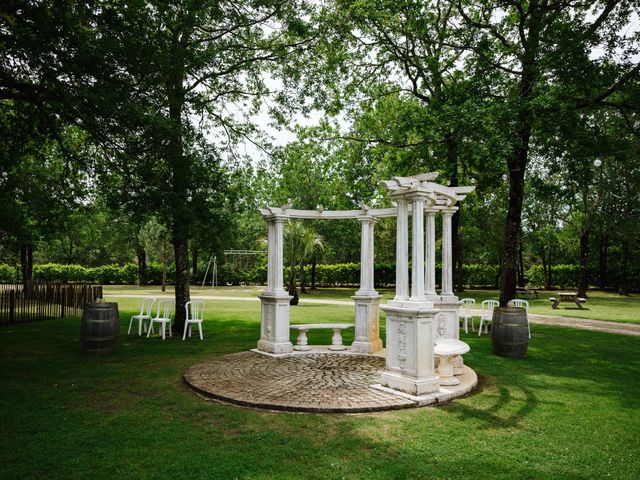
(274,325)
(409,385)
(367,323)
(366,347)
(275,347)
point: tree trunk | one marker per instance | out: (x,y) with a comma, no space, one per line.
(583,281)
(460,287)
(624,263)
(518,157)
(291,287)
(303,286)
(180,246)
(164,272)
(26,265)
(602,260)
(517,164)
(546,269)
(314,260)
(181,179)
(521,278)
(194,263)
(142,264)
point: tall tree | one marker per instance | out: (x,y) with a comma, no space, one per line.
(538,57)
(149,81)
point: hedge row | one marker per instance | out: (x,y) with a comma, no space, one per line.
(348,274)
(105,274)
(341,274)
(564,276)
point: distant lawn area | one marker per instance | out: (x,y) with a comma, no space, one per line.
(599,305)
(567,411)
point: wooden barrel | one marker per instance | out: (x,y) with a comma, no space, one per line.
(510,332)
(100,327)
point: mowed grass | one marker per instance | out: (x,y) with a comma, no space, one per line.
(567,411)
(599,306)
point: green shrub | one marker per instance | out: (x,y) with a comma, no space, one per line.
(480,275)
(55,272)
(562,276)
(9,274)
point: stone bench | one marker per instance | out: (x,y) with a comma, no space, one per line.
(302,343)
(446,350)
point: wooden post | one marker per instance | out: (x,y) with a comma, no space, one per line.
(62,301)
(12,305)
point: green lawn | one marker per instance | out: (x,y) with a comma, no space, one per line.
(568,411)
(599,306)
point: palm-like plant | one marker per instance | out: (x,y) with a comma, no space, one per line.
(300,242)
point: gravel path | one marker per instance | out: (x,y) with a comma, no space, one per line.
(572,322)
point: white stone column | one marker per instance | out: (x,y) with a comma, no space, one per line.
(417,250)
(447,260)
(366,299)
(279,255)
(274,326)
(430,255)
(366,257)
(402,251)
(271,244)
(275,277)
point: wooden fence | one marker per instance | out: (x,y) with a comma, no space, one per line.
(44,301)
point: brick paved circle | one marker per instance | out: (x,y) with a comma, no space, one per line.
(306,383)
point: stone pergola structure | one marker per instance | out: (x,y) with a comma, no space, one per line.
(417,316)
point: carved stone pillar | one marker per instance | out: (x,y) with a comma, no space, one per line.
(366,257)
(402,251)
(417,249)
(447,259)
(274,326)
(367,300)
(430,255)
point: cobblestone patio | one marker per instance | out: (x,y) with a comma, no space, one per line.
(313,382)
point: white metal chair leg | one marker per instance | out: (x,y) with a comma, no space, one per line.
(150,329)
(184,334)
(200,329)
(130,323)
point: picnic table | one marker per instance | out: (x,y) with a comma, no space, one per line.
(567,297)
(531,292)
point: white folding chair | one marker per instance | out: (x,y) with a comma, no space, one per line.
(144,315)
(487,314)
(466,313)
(163,317)
(516,302)
(195,314)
